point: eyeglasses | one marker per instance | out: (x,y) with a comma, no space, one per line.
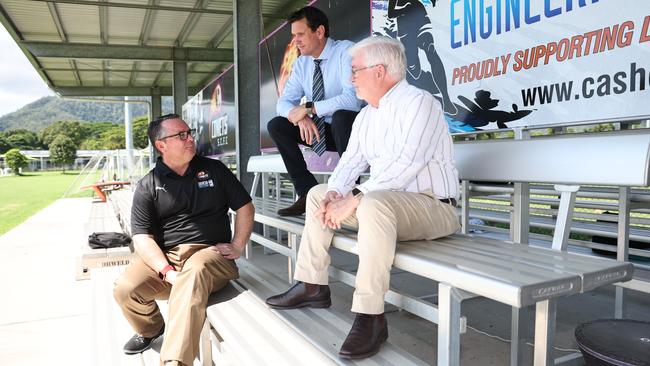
(355,71)
(183,135)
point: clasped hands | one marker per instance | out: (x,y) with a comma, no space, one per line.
(299,116)
(335,208)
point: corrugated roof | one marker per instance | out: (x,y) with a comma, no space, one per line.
(67,40)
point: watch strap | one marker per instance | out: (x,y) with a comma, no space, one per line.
(163,272)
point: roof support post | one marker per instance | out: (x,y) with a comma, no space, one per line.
(156,103)
(247,35)
(179,85)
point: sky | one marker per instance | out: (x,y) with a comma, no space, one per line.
(20,84)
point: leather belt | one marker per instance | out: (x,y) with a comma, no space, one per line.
(450,201)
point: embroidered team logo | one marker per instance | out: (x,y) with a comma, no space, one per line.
(202,175)
(206,183)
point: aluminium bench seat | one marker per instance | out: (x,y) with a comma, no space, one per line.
(518,275)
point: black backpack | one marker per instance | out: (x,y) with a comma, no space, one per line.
(108,240)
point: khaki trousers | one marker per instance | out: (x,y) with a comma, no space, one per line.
(382,219)
(201,272)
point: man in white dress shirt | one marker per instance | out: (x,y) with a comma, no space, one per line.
(410,195)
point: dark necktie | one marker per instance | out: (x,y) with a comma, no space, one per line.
(318,93)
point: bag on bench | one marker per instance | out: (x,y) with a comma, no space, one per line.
(106,240)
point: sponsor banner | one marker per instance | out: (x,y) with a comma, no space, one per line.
(212,113)
(507,63)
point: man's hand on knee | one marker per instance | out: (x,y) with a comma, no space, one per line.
(330,197)
(227,250)
(339,210)
(308,130)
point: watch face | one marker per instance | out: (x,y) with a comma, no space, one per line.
(309,105)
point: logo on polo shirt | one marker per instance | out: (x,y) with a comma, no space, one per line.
(204,181)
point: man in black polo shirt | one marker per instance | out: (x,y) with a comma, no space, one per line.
(182,238)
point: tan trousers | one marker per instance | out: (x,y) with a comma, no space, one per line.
(382,218)
(201,273)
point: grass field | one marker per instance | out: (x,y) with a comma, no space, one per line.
(23,196)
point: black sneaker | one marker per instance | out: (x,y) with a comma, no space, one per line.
(138,344)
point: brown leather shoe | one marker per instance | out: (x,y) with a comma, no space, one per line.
(302,295)
(366,336)
(297,209)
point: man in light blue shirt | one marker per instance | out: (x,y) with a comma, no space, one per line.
(322,75)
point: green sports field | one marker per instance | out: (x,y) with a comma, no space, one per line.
(23,196)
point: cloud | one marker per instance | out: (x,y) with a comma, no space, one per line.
(20,84)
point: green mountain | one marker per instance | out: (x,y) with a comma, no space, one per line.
(47,110)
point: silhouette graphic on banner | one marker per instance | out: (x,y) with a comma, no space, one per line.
(408,21)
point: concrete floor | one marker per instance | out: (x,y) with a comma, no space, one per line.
(45,315)
(44,312)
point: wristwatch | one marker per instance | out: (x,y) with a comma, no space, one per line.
(163,272)
(310,107)
(357,193)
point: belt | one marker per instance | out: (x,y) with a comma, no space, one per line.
(450,201)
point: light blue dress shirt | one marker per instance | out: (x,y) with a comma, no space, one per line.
(339,91)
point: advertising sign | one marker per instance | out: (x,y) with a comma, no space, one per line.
(212,113)
(506,63)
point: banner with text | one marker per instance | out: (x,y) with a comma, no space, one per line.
(212,113)
(507,63)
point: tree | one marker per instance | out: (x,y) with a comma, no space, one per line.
(4,144)
(15,160)
(74,130)
(140,138)
(63,150)
(23,140)
(114,138)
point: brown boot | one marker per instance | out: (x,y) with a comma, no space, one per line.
(366,336)
(302,295)
(297,209)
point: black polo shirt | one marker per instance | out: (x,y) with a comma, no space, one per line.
(188,209)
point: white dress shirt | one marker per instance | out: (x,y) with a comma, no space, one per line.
(406,143)
(339,91)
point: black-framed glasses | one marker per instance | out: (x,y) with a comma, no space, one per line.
(355,71)
(183,135)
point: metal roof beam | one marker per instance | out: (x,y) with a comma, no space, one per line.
(134,73)
(103,23)
(213,74)
(117,91)
(147,23)
(6,21)
(190,70)
(221,34)
(56,18)
(281,16)
(163,70)
(75,71)
(115,52)
(54,12)
(144,6)
(190,23)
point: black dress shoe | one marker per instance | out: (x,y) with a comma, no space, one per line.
(366,336)
(138,344)
(297,209)
(302,295)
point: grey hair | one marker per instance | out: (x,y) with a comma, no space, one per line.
(382,50)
